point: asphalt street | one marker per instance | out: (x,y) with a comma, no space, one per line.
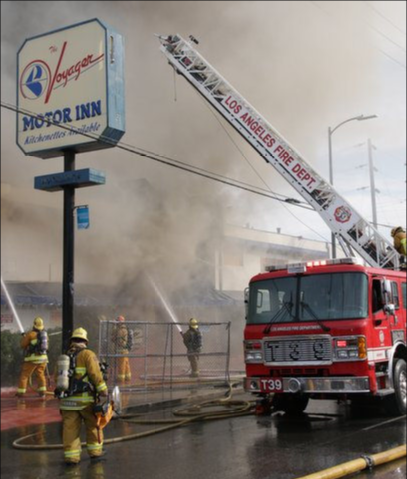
(249,447)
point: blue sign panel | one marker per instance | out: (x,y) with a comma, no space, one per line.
(76,178)
(82,215)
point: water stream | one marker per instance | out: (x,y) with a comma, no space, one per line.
(165,304)
(11,304)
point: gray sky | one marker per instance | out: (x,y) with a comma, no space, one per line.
(304,65)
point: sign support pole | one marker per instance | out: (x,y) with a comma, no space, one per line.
(68,255)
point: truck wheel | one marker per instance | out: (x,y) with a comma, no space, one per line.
(396,404)
(290,403)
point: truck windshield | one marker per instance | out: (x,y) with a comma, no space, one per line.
(314,297)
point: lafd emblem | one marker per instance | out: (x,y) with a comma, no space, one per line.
(343,214)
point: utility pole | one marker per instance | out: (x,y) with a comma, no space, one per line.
(331,176)
(372,182)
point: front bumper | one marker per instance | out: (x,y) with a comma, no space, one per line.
(331,385)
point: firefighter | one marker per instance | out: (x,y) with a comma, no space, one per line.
(86,386)
(120,338)
(193,342)
(35,346)
(399,240)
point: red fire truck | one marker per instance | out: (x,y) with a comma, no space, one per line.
(328,329)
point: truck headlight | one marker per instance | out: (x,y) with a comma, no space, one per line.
(253,351)
(254,357)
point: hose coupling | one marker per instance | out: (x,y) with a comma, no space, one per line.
(369,461)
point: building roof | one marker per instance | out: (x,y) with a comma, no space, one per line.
(210,297)
(50,294)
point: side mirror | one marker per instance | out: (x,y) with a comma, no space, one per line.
(390,309)
(246,301)
(387,287)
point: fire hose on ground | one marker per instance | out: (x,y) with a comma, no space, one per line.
(234,408)
(189,414)
(357,465)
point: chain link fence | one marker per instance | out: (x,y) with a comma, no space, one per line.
(159,358)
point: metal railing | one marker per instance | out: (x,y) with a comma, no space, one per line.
(159,357)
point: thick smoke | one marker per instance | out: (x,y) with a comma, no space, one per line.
(302,66)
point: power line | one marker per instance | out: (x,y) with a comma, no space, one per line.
(244,156)
(386,153)
(391,58)
(374,46)
(177,164)
(162,159)
(385,36)
(385,226)
(256,172)
(368,4)
(174,163)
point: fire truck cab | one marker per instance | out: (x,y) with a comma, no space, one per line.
(333,329)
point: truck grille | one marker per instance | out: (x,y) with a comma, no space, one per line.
(294,350)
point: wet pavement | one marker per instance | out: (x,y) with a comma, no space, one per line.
(248,447)
(28,411)
(32,410)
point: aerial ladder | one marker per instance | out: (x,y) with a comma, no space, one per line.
(353,232)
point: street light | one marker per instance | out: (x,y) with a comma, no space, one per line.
(331,178)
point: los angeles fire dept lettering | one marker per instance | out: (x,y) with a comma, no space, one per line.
(268,140)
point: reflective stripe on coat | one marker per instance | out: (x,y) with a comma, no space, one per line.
(29,340)
(88,369)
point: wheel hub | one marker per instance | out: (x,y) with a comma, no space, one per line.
(403,387)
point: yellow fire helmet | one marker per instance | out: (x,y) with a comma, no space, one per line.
(396,230)
(193,323)
(38,324)
(80,333)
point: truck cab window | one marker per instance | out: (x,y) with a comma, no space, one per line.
(272,297)
(395,294)
(404,294)
(377,298)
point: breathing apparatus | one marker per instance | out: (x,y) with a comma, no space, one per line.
(67,384)
(64,374)
(42,342)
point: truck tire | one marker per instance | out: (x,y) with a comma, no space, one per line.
(293,404)
(396,404)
